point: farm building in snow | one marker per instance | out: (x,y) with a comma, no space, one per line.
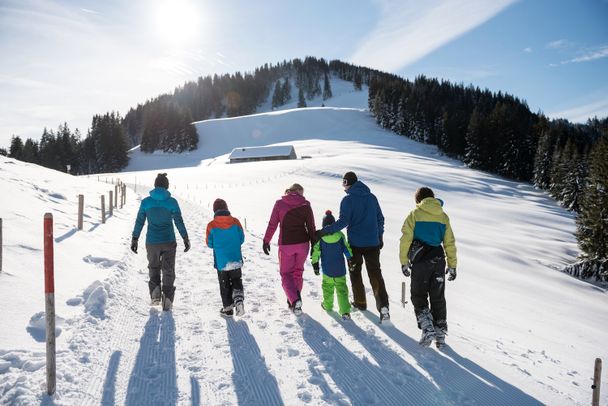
(250,154)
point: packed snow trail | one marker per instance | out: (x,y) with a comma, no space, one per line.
(139,355)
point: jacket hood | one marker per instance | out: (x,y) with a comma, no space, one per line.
(294,199)
(160,193)
(358,188)
(431,206)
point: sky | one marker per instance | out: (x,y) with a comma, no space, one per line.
(66,60)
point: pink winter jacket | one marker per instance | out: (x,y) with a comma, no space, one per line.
(295,216)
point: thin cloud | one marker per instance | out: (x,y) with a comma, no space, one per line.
(581,114)
(408,32)
(528,50)
(600,53)
(558,44)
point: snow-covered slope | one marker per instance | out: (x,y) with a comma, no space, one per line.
(520,332)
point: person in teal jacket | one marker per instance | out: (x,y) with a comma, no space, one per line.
(330,250)
(161,210)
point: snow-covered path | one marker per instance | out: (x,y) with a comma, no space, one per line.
(142,356)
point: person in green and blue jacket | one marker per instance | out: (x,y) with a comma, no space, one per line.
(330,250)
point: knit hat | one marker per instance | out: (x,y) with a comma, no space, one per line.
(349,179)
(219,204)
(161,181)
(328,218)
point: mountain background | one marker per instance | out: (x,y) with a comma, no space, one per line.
(495,132)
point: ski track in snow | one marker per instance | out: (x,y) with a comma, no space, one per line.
(139,355)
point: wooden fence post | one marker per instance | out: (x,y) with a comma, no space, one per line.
(116,195)
(124,194)
(80,211)
(0,244)
(103,209)
(403,301)
(49,299)
(597,380)
(110,204)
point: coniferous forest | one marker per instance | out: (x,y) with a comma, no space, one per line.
(494,132)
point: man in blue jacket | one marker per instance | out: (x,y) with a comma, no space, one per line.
(361,214)
(162,211)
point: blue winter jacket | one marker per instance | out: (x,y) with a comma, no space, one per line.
(361,213)
(225,235)
(331,250)
(162,211)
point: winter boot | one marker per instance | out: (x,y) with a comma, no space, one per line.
(358,306)
(237,297)
(425,322)
(239,308)
(155,296)
(346,316)
(297,307)
(441,330)
(167,304)
(385,317)
(227,311)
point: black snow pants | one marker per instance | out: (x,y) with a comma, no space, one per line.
(162,257)
(428,283)
(371,256)
(231,287)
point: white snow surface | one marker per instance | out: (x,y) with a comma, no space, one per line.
(521,333)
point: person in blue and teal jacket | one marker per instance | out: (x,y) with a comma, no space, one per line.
(162,211)
(225,236)
(330,250)
(426,243)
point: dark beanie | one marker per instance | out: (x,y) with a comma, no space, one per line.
(219,204)
(328,218)
(349,179)
(161,181)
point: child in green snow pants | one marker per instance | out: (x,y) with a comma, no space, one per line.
(330,250)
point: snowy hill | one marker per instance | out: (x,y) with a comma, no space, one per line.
(520,332)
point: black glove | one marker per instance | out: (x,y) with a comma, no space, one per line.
(381,245)
(266,248)
(315,267)
(186,245)
(319,234)
(134,245)
(451,272)
(405,269)
(351,265)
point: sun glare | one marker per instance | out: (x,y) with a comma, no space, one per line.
(177,21)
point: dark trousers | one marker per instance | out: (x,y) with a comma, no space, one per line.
(231,287)
(161,257)
(428,283)
(371,256)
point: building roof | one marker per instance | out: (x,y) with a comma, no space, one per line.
(262,152)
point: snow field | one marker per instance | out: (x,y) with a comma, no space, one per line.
(520,332)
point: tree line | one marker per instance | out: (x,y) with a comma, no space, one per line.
(103,150)
(497,133)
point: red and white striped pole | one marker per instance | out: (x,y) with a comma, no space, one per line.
(49,299)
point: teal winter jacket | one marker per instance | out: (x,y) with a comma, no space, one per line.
(162,211)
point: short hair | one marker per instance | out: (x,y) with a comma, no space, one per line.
(422,193)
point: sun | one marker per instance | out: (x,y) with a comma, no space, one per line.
(177,21)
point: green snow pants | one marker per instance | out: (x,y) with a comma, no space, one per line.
(338,284)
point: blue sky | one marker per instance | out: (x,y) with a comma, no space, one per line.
(66,60)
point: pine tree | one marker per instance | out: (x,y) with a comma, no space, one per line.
(301,99)
(592,222)
(326,88)
(30,151)
(277,96)
(16,148)
(474,153)
(286,91)
(357,82)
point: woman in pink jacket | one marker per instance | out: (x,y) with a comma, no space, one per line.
(294,215)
